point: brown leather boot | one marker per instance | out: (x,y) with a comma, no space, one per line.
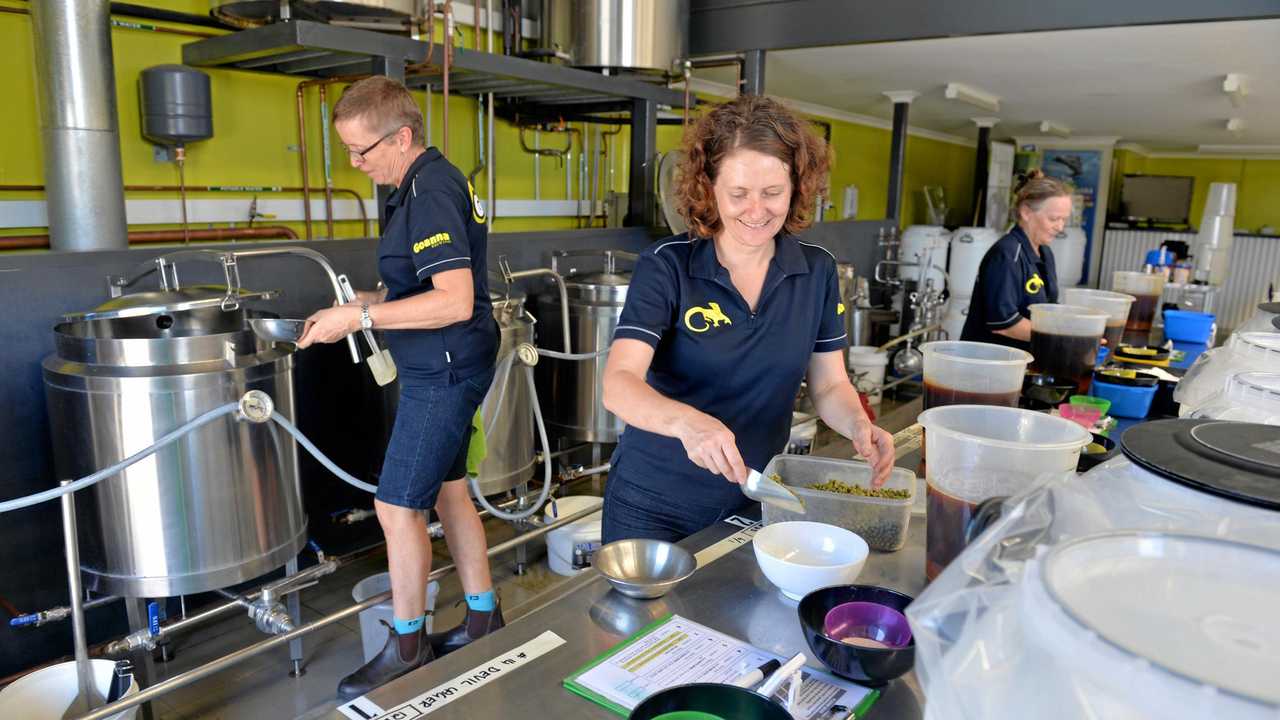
(474,626)
(386,666)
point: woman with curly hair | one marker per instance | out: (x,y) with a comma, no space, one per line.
(720,326)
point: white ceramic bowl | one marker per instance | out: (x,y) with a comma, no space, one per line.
(800,557)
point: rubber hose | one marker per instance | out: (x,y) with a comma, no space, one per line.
(546,466)
(93,479)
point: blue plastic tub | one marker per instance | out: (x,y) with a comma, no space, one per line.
(1126,401)
(1190,351)
(1186,326)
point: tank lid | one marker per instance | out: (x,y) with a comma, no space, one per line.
(156,302)
(614,279)
(1238,461)
(1216,600)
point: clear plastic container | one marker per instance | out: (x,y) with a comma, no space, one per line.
(1262,318)
(972,373)
(1146,290)
(1115,305)
(1000,439)
(1248,397)
(1065,340)
(1244,352)
(882,522)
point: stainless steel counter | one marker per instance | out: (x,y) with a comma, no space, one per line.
(730,595)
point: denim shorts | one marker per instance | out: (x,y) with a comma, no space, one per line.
(635,509)
(430,439)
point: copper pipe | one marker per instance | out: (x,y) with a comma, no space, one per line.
(302,159)
(328,184)
(145,237)
(180,157)
(364,215)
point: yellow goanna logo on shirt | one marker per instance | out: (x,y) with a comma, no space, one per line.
(434,241)
(477,209)
(1035,284)
(700,319)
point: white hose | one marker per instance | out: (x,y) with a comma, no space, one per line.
(89,480)
(572,356)
(342,475)
(546,465)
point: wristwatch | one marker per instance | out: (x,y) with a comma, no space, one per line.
(366,320)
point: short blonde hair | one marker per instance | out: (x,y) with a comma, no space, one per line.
(383,104)
(1035,188)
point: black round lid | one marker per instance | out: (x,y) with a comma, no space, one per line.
(1238,461)
(1271,307)
(1275,322)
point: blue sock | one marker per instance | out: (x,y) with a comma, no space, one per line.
(407,627)
(483,602)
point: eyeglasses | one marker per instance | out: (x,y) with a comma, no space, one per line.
(357,156)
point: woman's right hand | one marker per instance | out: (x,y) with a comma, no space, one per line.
(711,445)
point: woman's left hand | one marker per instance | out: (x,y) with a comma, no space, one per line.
(330,325)
(875,445)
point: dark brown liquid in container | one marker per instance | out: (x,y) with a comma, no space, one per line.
(1114,336)
(947,519)
(1065,357)
(1142,312)
(939,395)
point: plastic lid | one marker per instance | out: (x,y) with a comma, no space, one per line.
(1238,461)
(1200,608)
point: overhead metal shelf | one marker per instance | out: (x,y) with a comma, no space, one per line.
(314,49)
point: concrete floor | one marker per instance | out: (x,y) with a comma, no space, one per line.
(261,687)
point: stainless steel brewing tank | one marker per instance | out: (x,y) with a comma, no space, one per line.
(219,506)
(646,35)
(572,391)
(508,415)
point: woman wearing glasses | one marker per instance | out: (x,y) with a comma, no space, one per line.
(440,329)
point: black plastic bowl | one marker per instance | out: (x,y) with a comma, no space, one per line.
(868,666)
(1089,461)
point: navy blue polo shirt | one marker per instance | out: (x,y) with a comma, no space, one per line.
(435,224)
(1011,278)
(712,352)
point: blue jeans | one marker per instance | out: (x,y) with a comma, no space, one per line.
(430,439)
(634,510)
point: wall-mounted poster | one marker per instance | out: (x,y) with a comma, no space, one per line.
(1083,169)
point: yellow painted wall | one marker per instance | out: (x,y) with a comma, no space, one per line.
(1257,183)
(255,138)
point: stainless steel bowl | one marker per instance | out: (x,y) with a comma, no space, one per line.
(644,568)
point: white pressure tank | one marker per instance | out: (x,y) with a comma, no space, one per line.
(968,246)
(921,244)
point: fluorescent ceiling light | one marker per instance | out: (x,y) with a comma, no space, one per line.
(1240,149)
(1048,127)
(973,96)
(1236,86)
(1235,125)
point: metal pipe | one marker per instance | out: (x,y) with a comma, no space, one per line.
(302,161)
(144,237)
(448,61)
(180,158)
(327,165)
(581,472)
(897,161)
(908,336)
(56,614)
(491,176)
(75,76)
(199,673)
(360,208)
(564,294)
(87,694)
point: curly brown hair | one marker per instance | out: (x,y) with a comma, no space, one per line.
(756,123)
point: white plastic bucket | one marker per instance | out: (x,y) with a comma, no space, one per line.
(46,694)
(373,636)
(867,362)
(584,533)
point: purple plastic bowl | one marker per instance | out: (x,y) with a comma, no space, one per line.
(882,625)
